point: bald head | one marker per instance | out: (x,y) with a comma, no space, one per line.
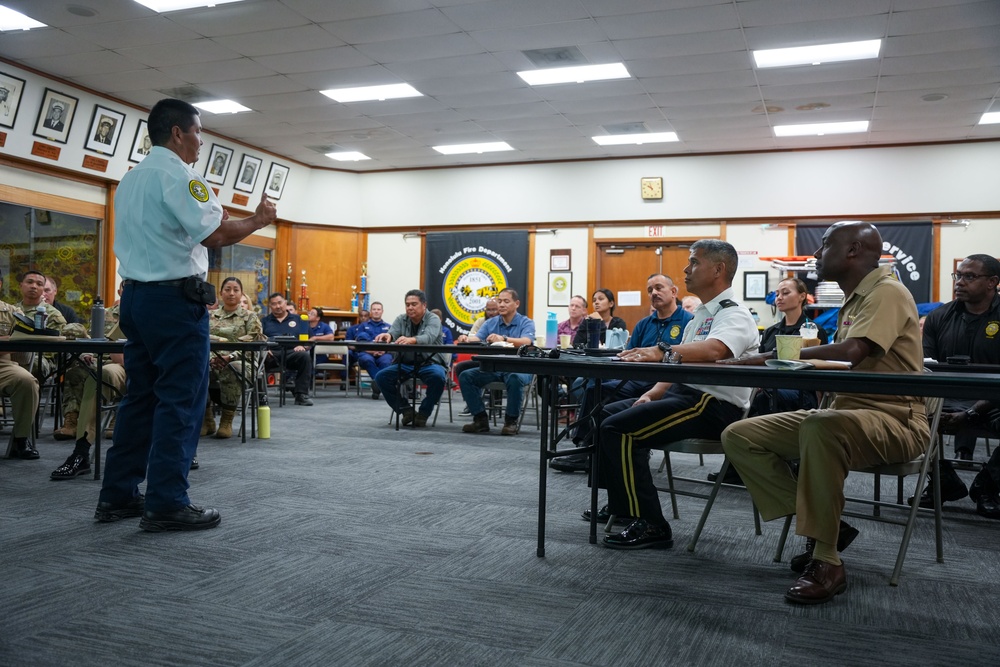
(850,251)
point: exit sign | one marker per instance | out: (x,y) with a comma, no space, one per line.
(655,231)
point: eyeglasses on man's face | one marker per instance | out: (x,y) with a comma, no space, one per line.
(968,277)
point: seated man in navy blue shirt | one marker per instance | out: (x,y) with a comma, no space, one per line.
(666,324)
(373,361)
(511,327)
(298,359)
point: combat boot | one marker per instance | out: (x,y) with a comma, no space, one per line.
(208,423)
(226,424)
(480,424)
(68,430)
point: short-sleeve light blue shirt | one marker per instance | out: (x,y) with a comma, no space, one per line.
(163,211)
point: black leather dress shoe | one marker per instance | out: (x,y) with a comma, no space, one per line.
(732,477)
(604,514)
(302,399)
(186,518)
(988,506)
(573,463)
(640,534)
(952,489)
(108,512)
(76,464)
(23,449)
(821,582)
(195,464)
(844,539)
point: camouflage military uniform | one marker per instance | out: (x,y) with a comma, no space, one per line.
(79,386)
(239,325)
(55,320)
(15,382)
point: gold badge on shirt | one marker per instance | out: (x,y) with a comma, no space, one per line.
(991,329)
(198,191)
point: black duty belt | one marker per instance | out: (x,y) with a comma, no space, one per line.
(169,283)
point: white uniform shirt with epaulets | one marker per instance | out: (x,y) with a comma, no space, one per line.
(736,328)
(163,211)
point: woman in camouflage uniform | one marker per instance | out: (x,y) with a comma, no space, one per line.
(229,322)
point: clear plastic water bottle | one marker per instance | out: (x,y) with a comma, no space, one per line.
(40,316)
(97,319)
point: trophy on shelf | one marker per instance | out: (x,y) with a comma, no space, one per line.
(303,294)
(354,298)
(364,298)
(288,283)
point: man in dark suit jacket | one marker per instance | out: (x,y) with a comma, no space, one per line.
(54,121)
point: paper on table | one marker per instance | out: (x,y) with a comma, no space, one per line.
(819,364)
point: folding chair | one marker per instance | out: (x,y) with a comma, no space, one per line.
(340,365)
(495,394)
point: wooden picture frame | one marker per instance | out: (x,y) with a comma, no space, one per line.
(560,288)
(219,159)
(755,285)
(11,88)
(277,176)
(105,130)
(141,143)
(560,260)
(246,175)
(55,116)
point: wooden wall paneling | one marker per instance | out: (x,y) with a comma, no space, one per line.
(283,254)
(109,272)
(330,259)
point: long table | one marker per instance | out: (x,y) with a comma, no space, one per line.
(74,349)
(944,384)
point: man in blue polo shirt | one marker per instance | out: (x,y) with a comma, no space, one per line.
(666,324)
(509,327)
(298,359)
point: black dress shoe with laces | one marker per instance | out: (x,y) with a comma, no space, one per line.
(604,514)
(952,488)
(302,399)
(23,449)
(571,463)
(641,534)
(76,464)
(844,539)
(186,518)
(988,506)
(732,477)
(108,512)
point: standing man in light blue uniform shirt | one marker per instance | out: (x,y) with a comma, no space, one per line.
(511,327)
(166,218)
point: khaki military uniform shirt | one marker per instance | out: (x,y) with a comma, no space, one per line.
(882,310)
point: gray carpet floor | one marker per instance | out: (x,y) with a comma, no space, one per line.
(344,542)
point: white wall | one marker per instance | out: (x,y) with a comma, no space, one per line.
(393,269)
(576,241)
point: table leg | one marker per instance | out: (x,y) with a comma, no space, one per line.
(98,408)
(595,455)
(543,456)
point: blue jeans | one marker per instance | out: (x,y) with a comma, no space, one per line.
(473,380)
(159,419)
(431,375)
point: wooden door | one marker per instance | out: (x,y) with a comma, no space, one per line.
(627,267)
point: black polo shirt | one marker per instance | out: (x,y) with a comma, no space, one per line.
(951,330)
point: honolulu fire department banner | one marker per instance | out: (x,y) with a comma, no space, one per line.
(909,243)
(464,270)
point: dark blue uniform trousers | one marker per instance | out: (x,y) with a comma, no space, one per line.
(159,419)
(628,433)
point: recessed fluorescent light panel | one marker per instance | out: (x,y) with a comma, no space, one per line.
(348,156)
(222,106)
(371,93)
(580,74)
(11,20)
(990,118)
(174,5)
(490,147)
(815,55)
(819,129)
(638,139)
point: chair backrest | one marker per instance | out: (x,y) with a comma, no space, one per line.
(331,350)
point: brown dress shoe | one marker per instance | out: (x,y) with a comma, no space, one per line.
(820,583)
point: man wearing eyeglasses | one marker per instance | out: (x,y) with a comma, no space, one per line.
(969,326)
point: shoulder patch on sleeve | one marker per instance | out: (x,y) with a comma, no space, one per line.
(198,190)
(727,303)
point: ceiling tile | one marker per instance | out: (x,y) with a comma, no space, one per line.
(277,41)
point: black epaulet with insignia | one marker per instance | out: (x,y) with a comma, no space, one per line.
(727,303)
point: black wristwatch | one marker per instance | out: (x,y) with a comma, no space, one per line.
(665,348)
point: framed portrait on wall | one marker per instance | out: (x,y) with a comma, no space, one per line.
(105,129)
(55,116)
(11,88)
(754,285)
(246,176)
(276,179)
(218,164)
(560,288)
(141,143)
